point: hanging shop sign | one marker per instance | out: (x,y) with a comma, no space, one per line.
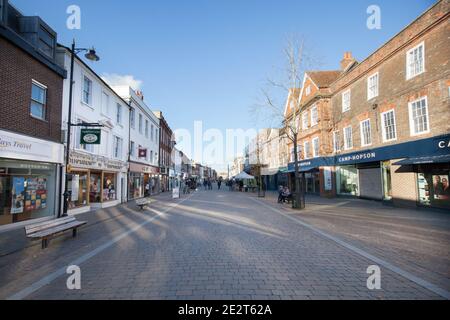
(142,153)
(90,136)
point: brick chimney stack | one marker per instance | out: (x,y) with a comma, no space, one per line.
(140,94)
(348,59)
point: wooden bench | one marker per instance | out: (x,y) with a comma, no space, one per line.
(46,230)
(141,203)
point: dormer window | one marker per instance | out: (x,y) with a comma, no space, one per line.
(46,43)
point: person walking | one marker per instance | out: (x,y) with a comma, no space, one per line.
(219,183)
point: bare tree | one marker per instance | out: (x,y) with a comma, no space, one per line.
(298,60)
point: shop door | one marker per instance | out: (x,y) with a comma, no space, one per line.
(370,183)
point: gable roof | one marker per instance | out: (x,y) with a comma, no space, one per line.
(294,94)
(323,79)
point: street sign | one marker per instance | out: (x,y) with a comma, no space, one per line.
(90,136)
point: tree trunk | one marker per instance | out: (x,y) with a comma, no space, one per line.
(299,197)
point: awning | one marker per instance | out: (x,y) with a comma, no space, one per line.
(424,160)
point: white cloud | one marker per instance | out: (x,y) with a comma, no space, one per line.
(114,79)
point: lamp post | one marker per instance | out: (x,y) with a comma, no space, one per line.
(90,55)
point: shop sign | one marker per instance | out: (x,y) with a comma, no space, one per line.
(142,153)
(90,161)
(17,146)
(90,136)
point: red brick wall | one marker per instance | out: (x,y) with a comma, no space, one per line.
(395,91)
(17,69)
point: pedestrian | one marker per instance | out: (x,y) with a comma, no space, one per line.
(219,183)
(280,194)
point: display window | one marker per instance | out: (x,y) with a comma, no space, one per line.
(78,189)
(27,190)
(136,185)
(347,181)
(95,187)
(109,187)
(434,188)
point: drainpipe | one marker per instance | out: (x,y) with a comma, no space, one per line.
(129,150)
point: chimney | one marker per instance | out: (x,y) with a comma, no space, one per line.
(348,60)
(140,94)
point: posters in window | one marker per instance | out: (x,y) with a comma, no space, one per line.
(18,195)
(75,187)
(441,188)
(35,193)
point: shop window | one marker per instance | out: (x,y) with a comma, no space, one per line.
(418,117)
(109,187)
(434,189)
(27,191)
(78,189)
(95,187)
(347,181)
(38,100)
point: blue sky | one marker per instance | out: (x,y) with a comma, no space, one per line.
(207,60)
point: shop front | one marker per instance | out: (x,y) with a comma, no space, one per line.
(30,171)
(143,180)
(94,182)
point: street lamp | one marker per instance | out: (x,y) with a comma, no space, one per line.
(90,55)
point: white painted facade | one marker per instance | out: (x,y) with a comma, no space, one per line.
(144,134)
(93,101)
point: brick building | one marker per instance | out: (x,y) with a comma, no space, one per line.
(31,87)
(389,121)
(166,144)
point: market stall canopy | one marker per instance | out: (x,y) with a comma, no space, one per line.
(243,175)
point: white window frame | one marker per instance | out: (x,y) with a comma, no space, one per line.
(315,143)
(146,128)
(411,120)
(105,104)
(370,94)
(308,90)
(314,121)
(43,104)
(119,113)
(336,141)
(91,89)
(140,123)
(383,126)
(133,118)
(306,151)
(346,108)
(409,74)
(346,145)
(305,124)
(365,143)
(291,154)
(116,146)
(132,148)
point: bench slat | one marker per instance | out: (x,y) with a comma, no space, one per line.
(47,224)
(57,229)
